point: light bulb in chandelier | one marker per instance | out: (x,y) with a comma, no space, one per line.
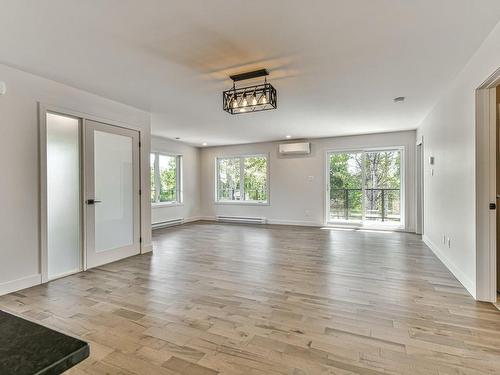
(234,102)
(243,109)
(253,100)
(244,103)
(263,99)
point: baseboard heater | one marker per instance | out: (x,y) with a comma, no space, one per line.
(168,223)
(241,219)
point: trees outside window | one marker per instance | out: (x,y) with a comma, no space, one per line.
(166,178)
(365,185)
(242,178)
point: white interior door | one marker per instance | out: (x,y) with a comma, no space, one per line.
(111,193)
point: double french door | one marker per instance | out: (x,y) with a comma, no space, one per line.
(365,187)
(92,201)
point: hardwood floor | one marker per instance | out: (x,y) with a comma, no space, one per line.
(236,299)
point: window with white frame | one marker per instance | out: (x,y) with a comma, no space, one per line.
(242,179)
(166,178)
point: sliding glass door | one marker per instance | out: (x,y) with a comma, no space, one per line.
(365,187)
(346,181)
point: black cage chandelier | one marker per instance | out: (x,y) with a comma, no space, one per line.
(248,99)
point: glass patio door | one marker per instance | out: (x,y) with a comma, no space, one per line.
(345,187)
(364,187)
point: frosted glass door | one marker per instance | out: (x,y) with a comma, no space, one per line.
(63,196)
(112,201)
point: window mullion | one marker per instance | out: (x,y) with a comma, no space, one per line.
(242,179)
(363,186)
(178,177)
(157,177)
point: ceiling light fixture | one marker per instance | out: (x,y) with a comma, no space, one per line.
(255,98)
(204,144)
(288,136)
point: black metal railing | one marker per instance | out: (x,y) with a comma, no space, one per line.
(379,204)
(168,195)
(231,194)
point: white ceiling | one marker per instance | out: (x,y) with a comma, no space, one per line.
(337,64)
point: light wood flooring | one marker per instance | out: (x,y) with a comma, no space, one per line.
(237,299)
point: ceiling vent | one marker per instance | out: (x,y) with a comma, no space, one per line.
(298,148)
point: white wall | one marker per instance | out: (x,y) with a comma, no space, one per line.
(189,209)
(293,198)
(19,163)
(449,135)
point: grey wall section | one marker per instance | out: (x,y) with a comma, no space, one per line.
(189,209)
(19,163)
(449,135)
(294,198)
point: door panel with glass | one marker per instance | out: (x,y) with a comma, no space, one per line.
(64,253)
(345,186)
(365,187)
(112,193)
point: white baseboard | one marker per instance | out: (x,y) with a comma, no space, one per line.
(457,272)
(147,248)
(294,222)
(197,218)
(271,221)
(18,284)
(205,218)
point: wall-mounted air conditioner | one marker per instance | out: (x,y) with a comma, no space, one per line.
(298,148)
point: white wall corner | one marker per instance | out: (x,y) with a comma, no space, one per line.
(18,284)
(468,283)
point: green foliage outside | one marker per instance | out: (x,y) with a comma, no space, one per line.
(167,178)
(229,179)
(254,178)
(382,170)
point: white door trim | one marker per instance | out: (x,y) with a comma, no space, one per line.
(43,108)
(485,189)
(363,150)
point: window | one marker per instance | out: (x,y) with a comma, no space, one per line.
(242,179)
(165,178)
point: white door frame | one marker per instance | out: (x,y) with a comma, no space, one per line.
(419,204)
(485,189)
(43,109)
(326,195)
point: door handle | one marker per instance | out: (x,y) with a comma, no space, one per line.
(92,201)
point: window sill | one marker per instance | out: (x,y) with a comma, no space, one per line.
(244,203)
(166,204)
